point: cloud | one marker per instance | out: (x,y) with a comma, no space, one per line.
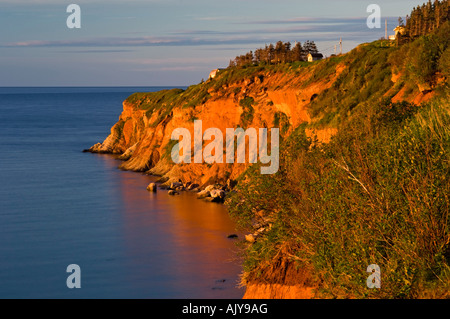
(299,29)
(97,42)
(171,61)
(309,20)
(96,51)
(233,39)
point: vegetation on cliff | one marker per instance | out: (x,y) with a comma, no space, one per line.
(426,18)
(377,193)
(364,170)
(279,53)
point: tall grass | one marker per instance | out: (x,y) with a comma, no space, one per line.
(377,194)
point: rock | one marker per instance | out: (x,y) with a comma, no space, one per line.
(128,153)
(257,225)
(172,192)
(203,194)
(217,199)
(208,199)
(209,188)
(213,186)
(175,185)
(231,184)
(217,193)
(94,148)
(424,88)
(162,180)
(152,187)
(180,189)
(192,187)
(232,236)
(250,238)
(260,213)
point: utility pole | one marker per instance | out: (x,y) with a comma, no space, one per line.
(340,44)
(385,30)
(335,49)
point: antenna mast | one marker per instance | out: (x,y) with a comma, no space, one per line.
(385,28)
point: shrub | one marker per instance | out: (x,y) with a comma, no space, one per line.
(248,111)
(376,194)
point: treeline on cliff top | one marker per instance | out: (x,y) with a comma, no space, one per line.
(281,52)
(378,193)
(421,62)
(426,18)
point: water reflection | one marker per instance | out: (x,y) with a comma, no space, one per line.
(175,246)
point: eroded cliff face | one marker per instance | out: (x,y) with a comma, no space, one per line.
(262,98)
(277,100)
(281,279)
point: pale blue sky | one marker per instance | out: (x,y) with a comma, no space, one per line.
(166,42)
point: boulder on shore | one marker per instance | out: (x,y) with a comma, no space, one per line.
(175,185)
(192,186)
(212,187)
(217,193)
(172,192)
(152,187)
(203,194)
(250,238)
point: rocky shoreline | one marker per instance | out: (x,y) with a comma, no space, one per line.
(215,193)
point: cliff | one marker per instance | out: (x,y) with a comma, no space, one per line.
(261,96)
(142,134)
(321,98)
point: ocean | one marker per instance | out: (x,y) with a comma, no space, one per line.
(59,206)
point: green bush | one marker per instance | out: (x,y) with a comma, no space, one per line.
(281,120)
(247,111)
(376,194)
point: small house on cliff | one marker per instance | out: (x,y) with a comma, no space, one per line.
(398,30)
(314,57)
(213,73)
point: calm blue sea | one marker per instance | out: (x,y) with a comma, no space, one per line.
(59,206)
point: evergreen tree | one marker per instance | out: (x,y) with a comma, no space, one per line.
(310,47)
(298,53)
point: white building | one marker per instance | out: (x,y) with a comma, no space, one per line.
(213,73)
(314,57)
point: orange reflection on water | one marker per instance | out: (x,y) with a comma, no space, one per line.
(179,240)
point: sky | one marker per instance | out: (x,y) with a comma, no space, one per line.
(168,42)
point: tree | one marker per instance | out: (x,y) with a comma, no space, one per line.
(444,64)
(297,52)
(310,47)
(279,51)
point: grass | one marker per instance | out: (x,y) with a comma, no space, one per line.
(377,195)
(248,111)
(281,120)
